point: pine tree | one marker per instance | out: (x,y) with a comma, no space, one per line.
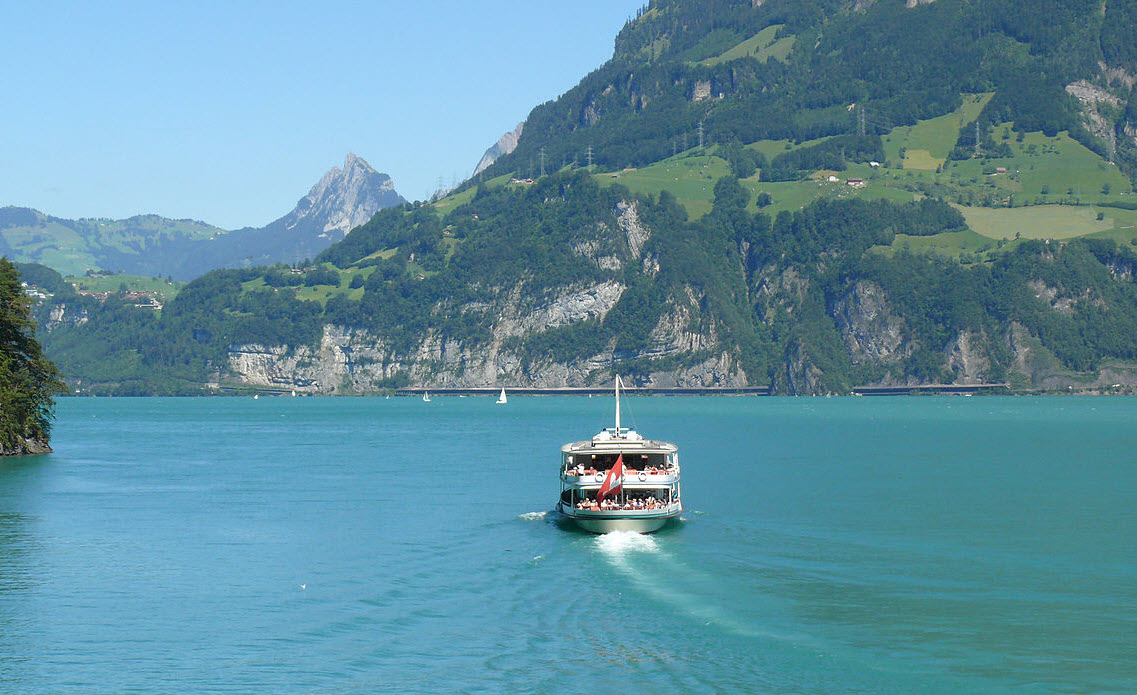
(28,381)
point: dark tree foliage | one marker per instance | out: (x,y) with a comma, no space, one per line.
(321,276)
(1117,44)
(743,162)
(45,278)
(851,227)
(28,381)
(830,154)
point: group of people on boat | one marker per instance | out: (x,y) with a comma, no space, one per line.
(636,502)
(580,470)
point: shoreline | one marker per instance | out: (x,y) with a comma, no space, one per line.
(965,390)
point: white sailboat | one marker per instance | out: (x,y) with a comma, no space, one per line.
(502,400)
(426,396)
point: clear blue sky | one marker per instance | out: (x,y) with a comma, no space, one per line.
(228,112)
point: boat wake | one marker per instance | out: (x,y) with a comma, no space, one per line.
(692,592)
(618,543)
(533,516)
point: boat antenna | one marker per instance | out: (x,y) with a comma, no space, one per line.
(617,405)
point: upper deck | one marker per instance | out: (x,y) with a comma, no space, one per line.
(581,462)
(611,440)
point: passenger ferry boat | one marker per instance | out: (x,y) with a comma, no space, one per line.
(619,481)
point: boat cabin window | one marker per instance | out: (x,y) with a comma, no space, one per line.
(628,499)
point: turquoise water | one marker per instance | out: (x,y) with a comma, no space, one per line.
(846,545)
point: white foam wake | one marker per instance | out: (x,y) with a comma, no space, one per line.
(532,516)
(621,542)
(689,591)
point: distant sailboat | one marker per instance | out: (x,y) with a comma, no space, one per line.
(426,396)
(502,400)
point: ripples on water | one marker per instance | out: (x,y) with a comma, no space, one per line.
(367,545)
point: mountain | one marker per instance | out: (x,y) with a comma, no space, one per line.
(810,195)
(153,245)
(505,145)
(75,246)
(342,200)
(800,70)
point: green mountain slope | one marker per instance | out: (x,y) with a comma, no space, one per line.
(882,194)
(683,64)
(76,246)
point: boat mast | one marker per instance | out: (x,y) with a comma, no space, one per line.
(617,405)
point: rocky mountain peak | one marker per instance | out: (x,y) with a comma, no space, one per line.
(505,145)
(344,199)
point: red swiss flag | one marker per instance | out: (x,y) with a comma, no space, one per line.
(613,482)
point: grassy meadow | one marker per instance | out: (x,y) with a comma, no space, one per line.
(762,46)
(1048,188)
(927,144)
(134,283)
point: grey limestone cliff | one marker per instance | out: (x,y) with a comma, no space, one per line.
(353,360)
(505,145)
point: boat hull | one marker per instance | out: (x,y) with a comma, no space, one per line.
(601,522)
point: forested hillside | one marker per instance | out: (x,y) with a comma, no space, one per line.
(810,195)
(678,66)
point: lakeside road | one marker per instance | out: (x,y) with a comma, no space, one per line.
(418,391)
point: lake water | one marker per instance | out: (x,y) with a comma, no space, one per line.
(302,545)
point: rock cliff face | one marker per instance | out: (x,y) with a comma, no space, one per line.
(23,447)
(1096,104)
(967,358)
(350,360)
(871,330)
(355,361)
(505,145)
(62,315)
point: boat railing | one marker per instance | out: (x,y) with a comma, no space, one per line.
(630,474)
(660,507)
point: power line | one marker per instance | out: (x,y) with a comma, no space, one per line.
(866,119)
